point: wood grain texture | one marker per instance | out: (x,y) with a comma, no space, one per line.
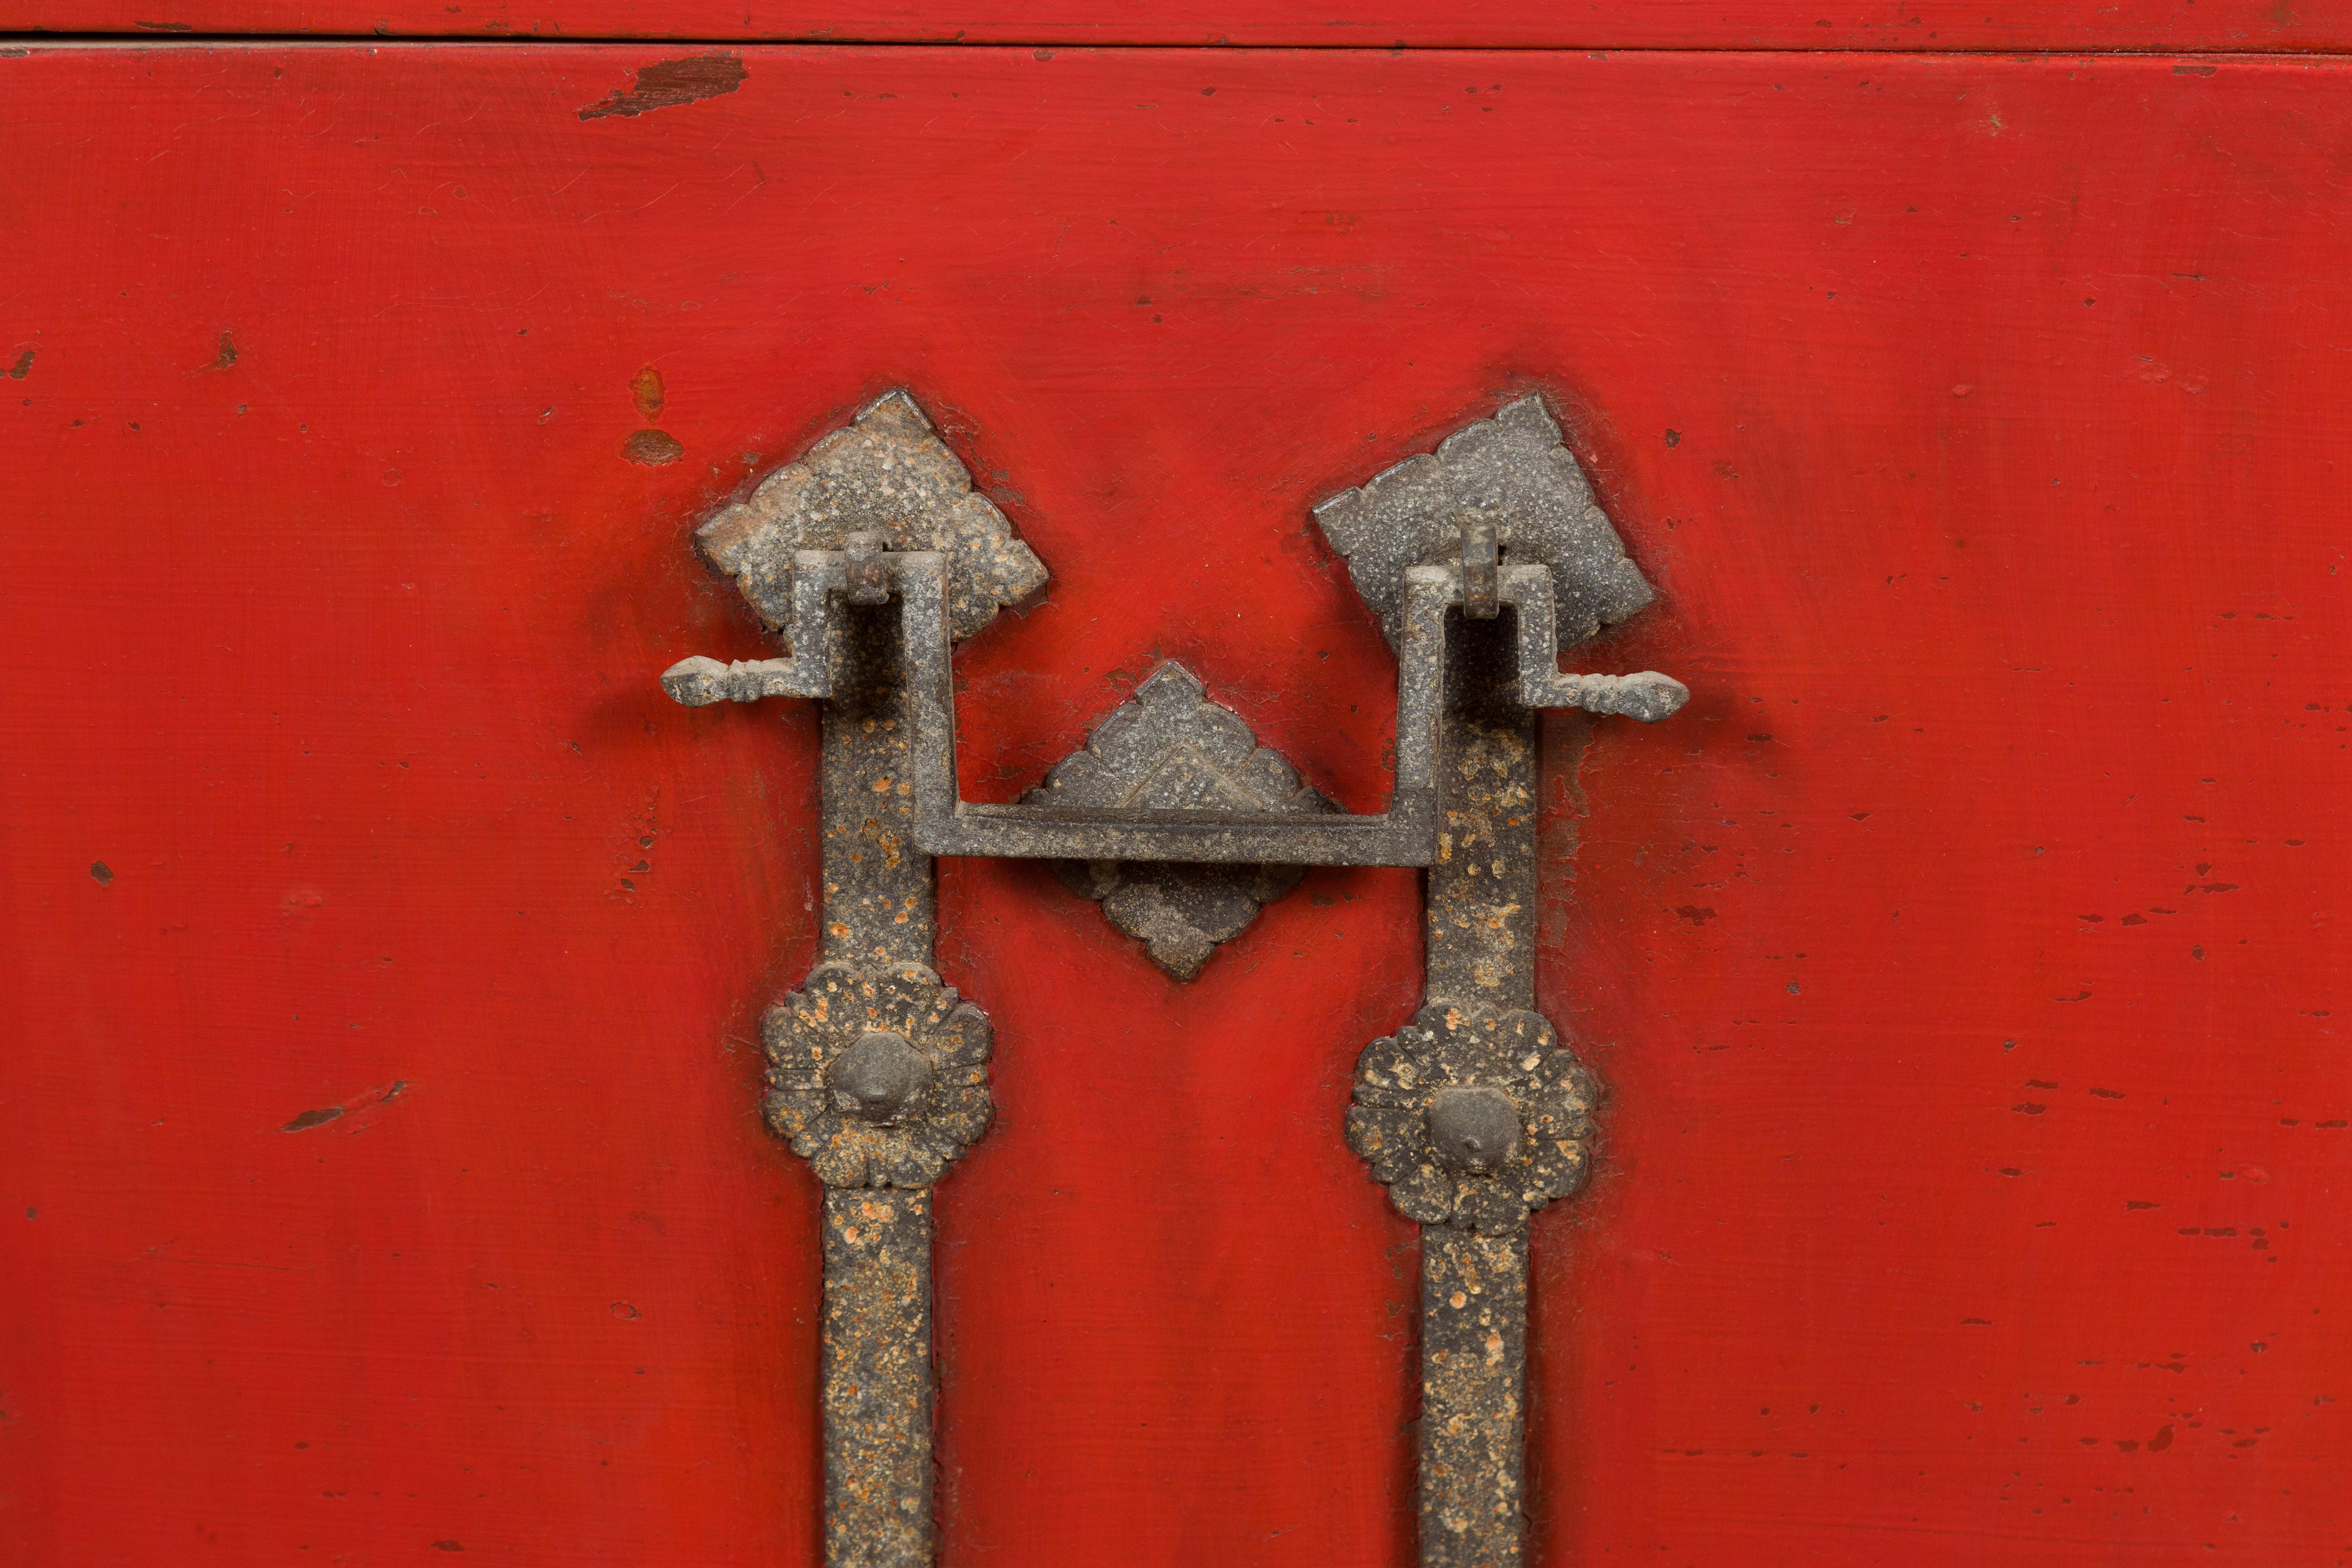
(380,1154)
(2230,25)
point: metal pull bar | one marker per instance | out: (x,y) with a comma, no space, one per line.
(1405,835)
(945,824)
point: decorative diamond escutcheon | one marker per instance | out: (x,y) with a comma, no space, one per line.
(1513,475)
(886,472)
(1169,749)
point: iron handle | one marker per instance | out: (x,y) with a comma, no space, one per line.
(1404,835)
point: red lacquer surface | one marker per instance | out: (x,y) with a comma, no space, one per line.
(1297,23)
(1961,961)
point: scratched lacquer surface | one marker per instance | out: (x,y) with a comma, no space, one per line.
(381,1167)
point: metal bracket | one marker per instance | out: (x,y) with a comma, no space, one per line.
(872,556)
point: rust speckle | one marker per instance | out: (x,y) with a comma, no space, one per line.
(652,448)
(665,84)
(877,1375)
(645,390)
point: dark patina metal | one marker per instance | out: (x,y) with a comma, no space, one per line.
(886,473)
(1473,1353)
(1473,1117)
(1168,751)
(876,1374)
(881,1078)
(1513,471)
(877,1075)
(1475,1130)
(871,556)
(1482,561)
(1405,835)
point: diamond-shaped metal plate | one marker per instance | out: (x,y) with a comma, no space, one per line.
(1512,471)
(886,472)
(1169,749)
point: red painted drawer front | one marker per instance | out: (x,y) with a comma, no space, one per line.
(382,1162)
(1500,24)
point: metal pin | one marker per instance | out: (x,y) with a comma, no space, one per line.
(864,580)
(1481,558)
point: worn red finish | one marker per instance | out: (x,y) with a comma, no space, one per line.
(380,1167)
(1295,24)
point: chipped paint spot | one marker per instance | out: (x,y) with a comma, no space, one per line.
(665,84)
(645,392)
(360,1107)
(652,448)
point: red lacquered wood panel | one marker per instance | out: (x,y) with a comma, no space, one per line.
(380,1169)
(2232,24)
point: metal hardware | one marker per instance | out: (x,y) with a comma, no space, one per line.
(1472,1116)
(879,1077)
(877,1379)
(872,555)
(886,473)
(862,581)
(1513,471)
(1405,835)
(1482,559)
(1169,749)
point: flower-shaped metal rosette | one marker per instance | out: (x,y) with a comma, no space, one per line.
(879,1077)
(1473,1117)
